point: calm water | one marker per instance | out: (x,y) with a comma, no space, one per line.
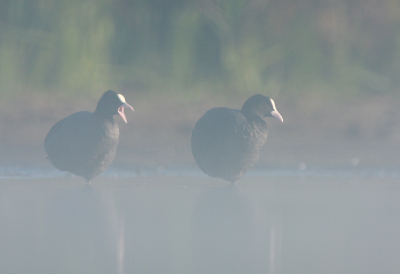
(271,222)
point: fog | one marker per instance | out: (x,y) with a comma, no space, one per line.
(323,196)
(169,224)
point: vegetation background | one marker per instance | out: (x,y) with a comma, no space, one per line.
(333,68)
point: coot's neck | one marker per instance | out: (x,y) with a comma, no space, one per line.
(101,115)
(251,115)
(255,119)
(104,110)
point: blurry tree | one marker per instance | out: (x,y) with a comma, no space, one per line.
(61,45)
(196,45)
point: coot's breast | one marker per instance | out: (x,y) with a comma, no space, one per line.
(225,144)
(82,144)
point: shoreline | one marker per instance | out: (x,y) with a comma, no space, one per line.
(317,132)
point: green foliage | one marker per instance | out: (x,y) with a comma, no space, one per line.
(185,28)
(187,47)
(64,46)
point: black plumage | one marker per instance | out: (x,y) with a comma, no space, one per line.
(226,142)
(85,143)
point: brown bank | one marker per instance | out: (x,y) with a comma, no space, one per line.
(319,131)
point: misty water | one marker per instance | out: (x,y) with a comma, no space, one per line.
(180,221)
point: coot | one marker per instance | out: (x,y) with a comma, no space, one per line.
(226,142)
(85,143)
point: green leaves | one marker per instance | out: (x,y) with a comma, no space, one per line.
(191,46)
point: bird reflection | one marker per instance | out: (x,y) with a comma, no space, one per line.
(275,243)
(222,232)
(86,232)
(233,232)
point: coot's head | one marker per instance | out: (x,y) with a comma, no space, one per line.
(110,104)
(260,106)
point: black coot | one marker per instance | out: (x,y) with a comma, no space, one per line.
(85,143)
(226,142)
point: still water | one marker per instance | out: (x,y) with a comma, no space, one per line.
(188,223)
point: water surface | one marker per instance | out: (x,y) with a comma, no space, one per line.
(184,222)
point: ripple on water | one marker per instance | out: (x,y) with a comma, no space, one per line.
(16,172)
